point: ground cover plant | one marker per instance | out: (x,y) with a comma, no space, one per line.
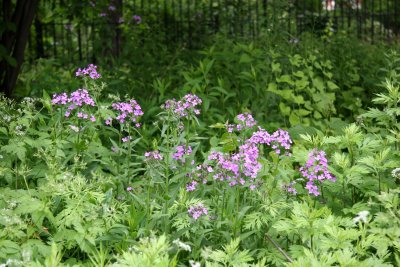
(89,179)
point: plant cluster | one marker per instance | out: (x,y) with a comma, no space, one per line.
(88,178)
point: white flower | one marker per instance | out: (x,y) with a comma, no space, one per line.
(361,216)
(74,128)
(194,263)
(182,245)
(396,173)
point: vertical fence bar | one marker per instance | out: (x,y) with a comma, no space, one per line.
(257,25)
(165,21)
(364,18)
(380,18)
(372,17)
(387,17)
(249,18)
(341,14)
(180,28)
(289,21)
(79,43)
(396,20)
(189,23)
(54,39)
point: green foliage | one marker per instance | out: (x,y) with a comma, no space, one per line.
(72,193)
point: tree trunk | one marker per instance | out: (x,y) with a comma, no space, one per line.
(15,42)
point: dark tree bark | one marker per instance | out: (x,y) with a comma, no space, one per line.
(15,42)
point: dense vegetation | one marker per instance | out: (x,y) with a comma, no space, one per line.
(263,153)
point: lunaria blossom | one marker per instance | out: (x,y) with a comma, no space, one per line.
(316,171)
(186,106)
(196,211)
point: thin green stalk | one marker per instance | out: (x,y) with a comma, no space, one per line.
(237,222)
(128,159)
(16,174)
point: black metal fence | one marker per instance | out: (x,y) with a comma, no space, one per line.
(91,30)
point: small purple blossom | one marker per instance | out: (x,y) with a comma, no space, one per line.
(196,211)
(278,141)
(181,151)
(245,121)
(137,19)
(111,7)
(184,107)
(289,188)
(90,71)
(191,186)
(153,155)
(129,111)
(75,101)
(120,20)
(316,170)
(129,188)
(126,138)
(103,14)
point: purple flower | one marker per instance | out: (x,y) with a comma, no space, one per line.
(184,107)
(111,7)
(181,151)
(129,188)
(120,20)
(191,186)
(129,111)
(279,140)
(126,138)
(75,101)
(90,71)
(196,211)
(289,188)
(103,14)
(316,170)
(137,19)
(153,155)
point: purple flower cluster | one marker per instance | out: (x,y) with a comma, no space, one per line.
(316,170)
(198,175)
(90,71)
(238,167)
(128,111)
(137,19)
(180,153)
(289,188)
(279,140)
(184,107)
(126,138)
(196,211)
(242,167)
(75,102)
(153,155)
(246,121)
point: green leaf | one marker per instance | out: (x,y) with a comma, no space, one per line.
(285,110)
(294,119)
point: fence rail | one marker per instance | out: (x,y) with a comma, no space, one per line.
(177,22)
